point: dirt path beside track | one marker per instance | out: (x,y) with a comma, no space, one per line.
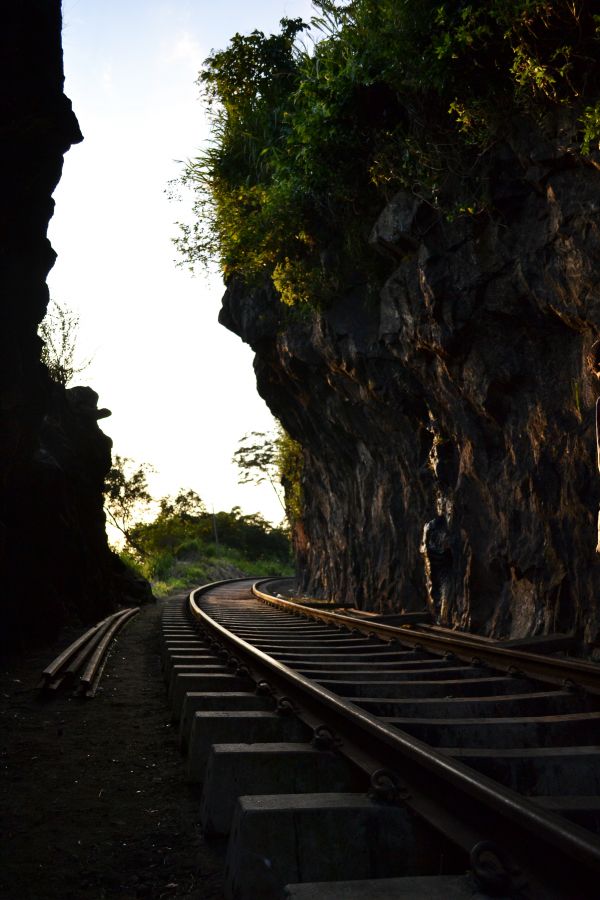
(94,799)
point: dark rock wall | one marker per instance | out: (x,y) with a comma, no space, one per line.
(449,428)
(54,559)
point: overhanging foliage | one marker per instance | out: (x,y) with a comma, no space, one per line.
(308,145)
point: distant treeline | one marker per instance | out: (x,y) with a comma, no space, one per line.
(177,535)
(184,543)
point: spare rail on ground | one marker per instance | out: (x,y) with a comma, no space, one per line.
(86,655)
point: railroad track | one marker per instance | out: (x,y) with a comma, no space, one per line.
(348,758)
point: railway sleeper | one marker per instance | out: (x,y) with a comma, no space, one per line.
(194,681)
(540,703)
(193,643)
(191,663)
(226,726)
(292,625)
(185,628)
(503,733)
(208,701)
(236,770)
(310,650)
(188,646)
(175,632)
(294,628)
(280,645)
(184,646)
(286,633)
(463,687)
(538,771)
(255,621)
(334,680)
(213,667)
(347,659)
(424,887)
(170,644)
(172,638)
(178,639)
(342,667)
(289,838)
(583,810)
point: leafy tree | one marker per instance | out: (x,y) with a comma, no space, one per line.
(248,88)
(126,497)
(256,459)
(275,458)
(58,330)
(178,542)
(172,537)
(186,505)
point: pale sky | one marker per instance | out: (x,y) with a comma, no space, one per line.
(181,388)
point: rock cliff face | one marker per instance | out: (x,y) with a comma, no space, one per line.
(54,559)
(450,453)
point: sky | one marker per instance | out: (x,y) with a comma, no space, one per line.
(181,388)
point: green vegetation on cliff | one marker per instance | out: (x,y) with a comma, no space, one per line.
(307,146)
(58,331)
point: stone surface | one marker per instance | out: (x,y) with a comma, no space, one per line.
(448,430)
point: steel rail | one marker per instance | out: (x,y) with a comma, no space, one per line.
(90,670)
(550,852)
(54,667)
(89,648)
(547,669)
(91,688)
(77,662)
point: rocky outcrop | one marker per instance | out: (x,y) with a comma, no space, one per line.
(62,567)
(54,559)
(448,430)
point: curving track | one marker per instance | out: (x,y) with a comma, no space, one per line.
(345,756)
